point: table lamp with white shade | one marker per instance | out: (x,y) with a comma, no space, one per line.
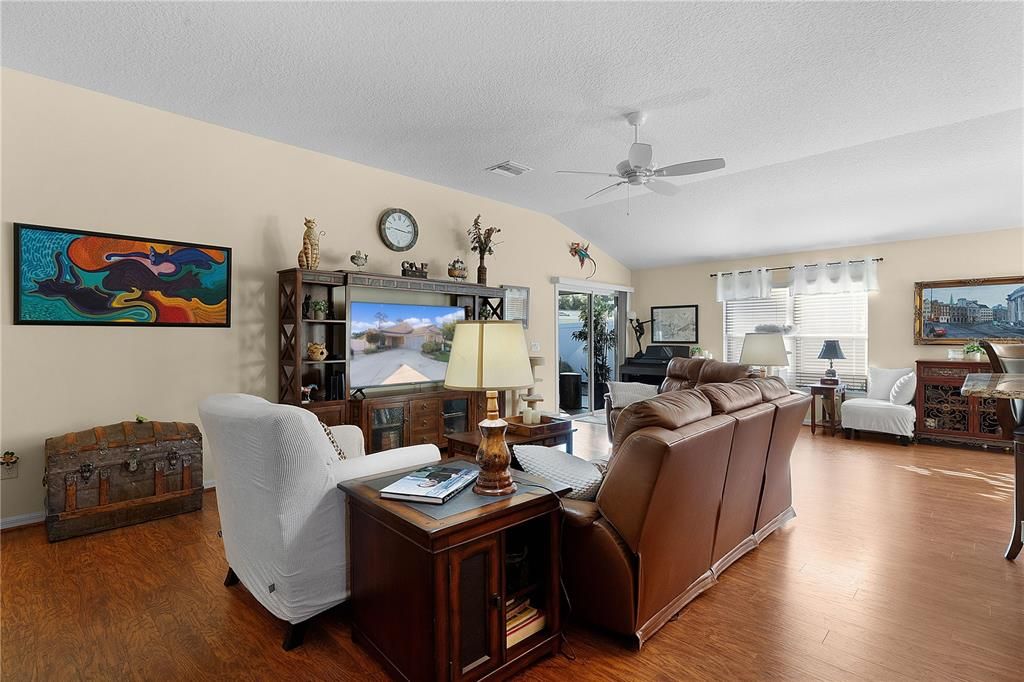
(764,350)
(490,356)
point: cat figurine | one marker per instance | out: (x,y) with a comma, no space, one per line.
(309,256)
(316,351)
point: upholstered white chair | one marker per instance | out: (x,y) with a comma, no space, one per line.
(887,407)
(282,516)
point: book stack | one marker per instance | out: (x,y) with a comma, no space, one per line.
(521,621)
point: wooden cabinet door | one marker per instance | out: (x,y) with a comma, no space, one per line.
(387,425)
(476,608)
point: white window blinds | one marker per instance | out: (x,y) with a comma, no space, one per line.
(806,320)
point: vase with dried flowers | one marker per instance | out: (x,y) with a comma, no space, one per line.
(481,242)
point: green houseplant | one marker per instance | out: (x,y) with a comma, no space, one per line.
(319,309)
(974,351)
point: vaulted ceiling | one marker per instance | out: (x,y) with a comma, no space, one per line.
(840,123)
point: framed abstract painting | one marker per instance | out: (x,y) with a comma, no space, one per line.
(674,324)
(75,277)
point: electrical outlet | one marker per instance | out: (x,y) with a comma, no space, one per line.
(8,471)
(534,346)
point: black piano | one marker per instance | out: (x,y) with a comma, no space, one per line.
(650,367)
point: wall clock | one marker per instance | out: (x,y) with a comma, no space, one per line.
(398,229)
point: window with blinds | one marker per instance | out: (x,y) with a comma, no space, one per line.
(809,320)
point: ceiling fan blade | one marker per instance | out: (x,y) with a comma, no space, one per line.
(605,189)
(609,175)
(663,187)
(640,155)
(690,168)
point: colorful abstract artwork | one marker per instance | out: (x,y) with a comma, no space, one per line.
(91,278)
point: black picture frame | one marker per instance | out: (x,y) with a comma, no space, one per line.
(660,319)
(19,319)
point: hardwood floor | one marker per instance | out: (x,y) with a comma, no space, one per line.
(892,569)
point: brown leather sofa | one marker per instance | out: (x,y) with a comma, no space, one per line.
(696,479)
(685,373)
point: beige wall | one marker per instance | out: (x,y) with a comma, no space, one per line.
(76,158)
(890,310)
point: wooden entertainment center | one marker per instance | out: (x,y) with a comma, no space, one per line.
(407,415)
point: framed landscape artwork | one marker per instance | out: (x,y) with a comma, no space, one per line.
(75,277)
(956,311)
(674,324)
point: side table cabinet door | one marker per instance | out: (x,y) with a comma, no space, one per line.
(476,608)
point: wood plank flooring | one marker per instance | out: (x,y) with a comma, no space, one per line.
(893,569)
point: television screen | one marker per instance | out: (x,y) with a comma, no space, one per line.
(394,343)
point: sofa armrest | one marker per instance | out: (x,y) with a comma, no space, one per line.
(384,462)
(580,513)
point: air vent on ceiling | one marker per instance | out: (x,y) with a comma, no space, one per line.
(510,169)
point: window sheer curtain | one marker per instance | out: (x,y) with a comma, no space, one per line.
(816,303)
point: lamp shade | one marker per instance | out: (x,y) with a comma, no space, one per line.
(489,356)
(830,350)
(764,350)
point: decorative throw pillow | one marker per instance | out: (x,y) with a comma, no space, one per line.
(330,437)
(625,392)
(881,381)
(903,390)
(583,477)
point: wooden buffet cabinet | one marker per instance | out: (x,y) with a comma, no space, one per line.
(943,415)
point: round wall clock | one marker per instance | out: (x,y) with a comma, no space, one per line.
(398,229)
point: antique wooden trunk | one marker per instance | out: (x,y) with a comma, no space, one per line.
(121,474)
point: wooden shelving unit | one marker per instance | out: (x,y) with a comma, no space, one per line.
(296,370)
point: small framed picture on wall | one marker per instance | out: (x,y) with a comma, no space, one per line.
(674,324)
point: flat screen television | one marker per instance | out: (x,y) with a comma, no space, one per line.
(395,343)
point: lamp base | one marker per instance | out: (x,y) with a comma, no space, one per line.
(493,456)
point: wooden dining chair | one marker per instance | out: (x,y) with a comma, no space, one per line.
(1007,358)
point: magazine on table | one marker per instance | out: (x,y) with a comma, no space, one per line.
(435,484)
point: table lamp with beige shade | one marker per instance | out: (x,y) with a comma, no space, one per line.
(490,356)
(764,350)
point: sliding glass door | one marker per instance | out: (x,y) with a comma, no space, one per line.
(590,343)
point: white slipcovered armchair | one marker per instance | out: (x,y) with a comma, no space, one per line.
(282,515)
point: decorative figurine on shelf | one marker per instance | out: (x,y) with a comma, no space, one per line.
(319,308)
(457,270)
(481,242)
(316,351)
(359,259)
(582,253)
(309,256)
(307,309)
(410,269)
(307,393)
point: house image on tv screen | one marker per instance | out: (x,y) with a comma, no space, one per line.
(394,343)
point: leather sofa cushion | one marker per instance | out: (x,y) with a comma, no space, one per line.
(668,411)
(730,397)
(772,388)
(681,373)
(716,371)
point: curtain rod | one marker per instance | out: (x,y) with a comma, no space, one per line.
(790,267)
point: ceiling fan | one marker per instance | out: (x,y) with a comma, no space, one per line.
(638,170)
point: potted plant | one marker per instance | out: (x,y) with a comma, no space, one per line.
(973,352)
(319,309)
(481,242)
(696,352)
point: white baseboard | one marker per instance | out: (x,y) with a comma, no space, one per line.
(21,520)
(36,517)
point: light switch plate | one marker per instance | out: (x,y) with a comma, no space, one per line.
(534,346)
(8,471)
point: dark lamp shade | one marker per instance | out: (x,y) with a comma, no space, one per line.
(830,350)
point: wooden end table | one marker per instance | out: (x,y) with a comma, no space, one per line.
(831,398)
(467,442)
(430,583)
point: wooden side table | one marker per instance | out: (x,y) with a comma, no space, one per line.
(431,584)
(831,398)
(467,442)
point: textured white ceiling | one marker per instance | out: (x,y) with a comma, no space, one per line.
(840,122)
